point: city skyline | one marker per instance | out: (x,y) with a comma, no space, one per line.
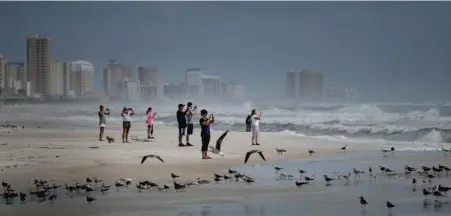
(388,50)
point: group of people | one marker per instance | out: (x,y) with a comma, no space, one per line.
(185,124)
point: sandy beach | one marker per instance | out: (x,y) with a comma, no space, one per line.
(65,155)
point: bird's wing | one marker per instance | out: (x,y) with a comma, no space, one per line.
(261,155)
(144,159)
(159,158)
(219,141)
(248,154)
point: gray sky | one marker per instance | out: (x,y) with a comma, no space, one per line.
(387,50)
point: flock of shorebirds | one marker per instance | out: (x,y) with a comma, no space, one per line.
(48,190)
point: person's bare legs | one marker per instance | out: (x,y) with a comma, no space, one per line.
(151,131)
(127,131)
(102,129)
(123,134)
(148,131)
(187,138)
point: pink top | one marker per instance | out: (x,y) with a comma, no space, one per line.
(150,118)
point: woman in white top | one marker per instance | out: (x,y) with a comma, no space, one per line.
(126,123)
(255,121)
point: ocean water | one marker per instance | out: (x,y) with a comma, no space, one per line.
(426,124)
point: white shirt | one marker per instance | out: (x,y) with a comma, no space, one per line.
(255,122)
(126,116)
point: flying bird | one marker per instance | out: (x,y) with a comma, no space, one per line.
(151,156)
(249,153)
(217,148)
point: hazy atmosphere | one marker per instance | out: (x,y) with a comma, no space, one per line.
(385,50)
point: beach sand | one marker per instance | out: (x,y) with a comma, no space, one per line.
(65,156)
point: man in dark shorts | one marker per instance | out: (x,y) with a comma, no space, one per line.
(181,120)
(189,113)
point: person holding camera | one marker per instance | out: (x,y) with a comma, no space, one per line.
(189,113)
(126,123)
(205,131)
(149,120)
(102,120)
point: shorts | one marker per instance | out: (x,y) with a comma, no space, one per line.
(190,129)
(126,125)
(205,142)
(181,131)
(102,125)
(255,131)
(248,128)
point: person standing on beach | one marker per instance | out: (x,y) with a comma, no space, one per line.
(255,126)
(248,123)
(126,123)
(205,131)
(189,113)
(149,121)
(181,120)
(102,120)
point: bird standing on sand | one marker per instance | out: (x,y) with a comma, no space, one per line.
(174,176)
(414,183)
(217,148)
(327,179)
(357,172)
(280,151)
(426,193)
(249,153)
(389,206)
(151,156)
(90,199)
(363,203)
(344,148)
(437,195)
(311,152)
(300,184)
(232,171)
(277,168)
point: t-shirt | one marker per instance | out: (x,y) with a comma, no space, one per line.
(204,129)
(126,116)
(255,122)
(102,116)
(189,116)
(181,120)
(150,118)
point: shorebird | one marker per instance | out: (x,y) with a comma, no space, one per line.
(426,193)
(280,151)
(23,197)
(118,185)
(151,156)
(414,183)
(444,189)
(363,202)
(217,148)
(437,195)
(311,152)
(104,189)
(249,153)
(217,175)
(446,151)
(52,198)
(392,149)
(174,176)
(178,186)
(344,148)
(389,206)
(90,199)
(385,151)
(306,178)
(302,172)
(300,183)
(164,188)
(357,172)
(370,171)
(232,171)
(277,168)
(327,179)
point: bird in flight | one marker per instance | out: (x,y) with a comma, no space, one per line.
(144,158)
(217,148)
(249,153)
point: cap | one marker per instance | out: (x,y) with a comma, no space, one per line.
(189,104)
(181,105)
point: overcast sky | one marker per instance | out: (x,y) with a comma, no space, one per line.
(384,49)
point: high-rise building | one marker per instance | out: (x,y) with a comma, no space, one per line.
(172,91)
(67,71)
(131,90)
(39,62)
(82,77)
(194,83)
(151,85)
(292,85)
(212,86)
(56,78)
(311,85)
(2,73)
(15,71)
(114,75)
